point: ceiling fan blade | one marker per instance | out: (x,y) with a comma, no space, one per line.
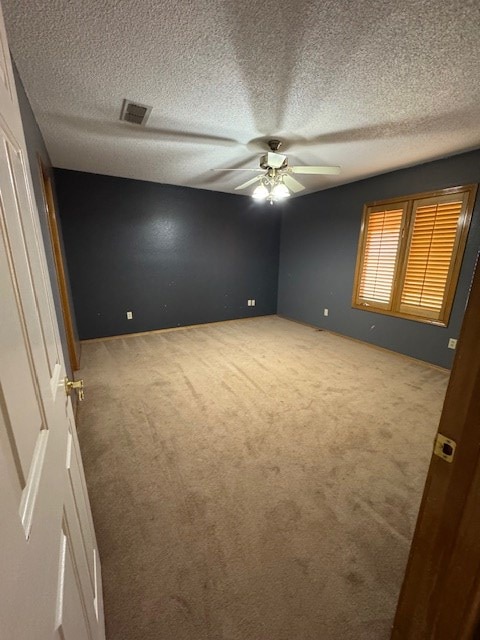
(249,182)
(128,131)
(306,170)
(293,184)
(180,136)
(256,170)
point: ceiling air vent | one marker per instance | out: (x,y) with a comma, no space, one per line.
(135,112)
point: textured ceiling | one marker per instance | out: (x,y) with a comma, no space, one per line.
(370,86)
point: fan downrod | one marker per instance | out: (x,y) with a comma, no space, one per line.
(274,145)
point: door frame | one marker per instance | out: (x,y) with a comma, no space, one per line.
(440,596)
(73,343)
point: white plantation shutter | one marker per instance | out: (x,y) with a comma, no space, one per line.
(377,272)
(430,255)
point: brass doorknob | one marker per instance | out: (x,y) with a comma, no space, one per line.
(77,385)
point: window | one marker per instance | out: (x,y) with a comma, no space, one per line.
(410,253)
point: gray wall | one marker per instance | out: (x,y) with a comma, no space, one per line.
(36,145)
(174,256)
(319,239)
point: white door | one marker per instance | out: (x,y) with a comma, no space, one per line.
(50,584)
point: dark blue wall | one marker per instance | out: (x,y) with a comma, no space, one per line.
(36,149)
(172,255)
(318,252)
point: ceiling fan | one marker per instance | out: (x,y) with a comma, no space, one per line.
(276,181)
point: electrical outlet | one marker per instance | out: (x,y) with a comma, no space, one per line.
(452,343)
(325,312)
(249,303)
(253,303)
(129,315)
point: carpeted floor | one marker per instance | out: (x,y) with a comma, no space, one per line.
(254,480)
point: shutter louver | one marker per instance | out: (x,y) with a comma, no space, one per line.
(430,257)
(380,257)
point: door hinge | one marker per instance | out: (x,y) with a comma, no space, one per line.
(444,448)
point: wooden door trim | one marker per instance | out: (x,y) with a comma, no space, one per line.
(440,596)
(51,213)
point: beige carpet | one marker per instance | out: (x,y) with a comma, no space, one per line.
(254,480)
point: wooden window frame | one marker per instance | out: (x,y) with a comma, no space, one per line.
(408,202)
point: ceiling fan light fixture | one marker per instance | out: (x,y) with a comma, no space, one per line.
(280,191)
(277,183)
(260,192)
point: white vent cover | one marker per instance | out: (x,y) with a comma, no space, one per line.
(135,112)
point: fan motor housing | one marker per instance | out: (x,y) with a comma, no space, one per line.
(273,161)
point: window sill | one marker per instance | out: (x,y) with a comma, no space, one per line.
(397,314)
